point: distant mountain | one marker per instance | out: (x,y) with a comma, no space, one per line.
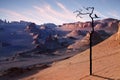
(23,35)
(44,37)
(108,24)
(48,25)
(21,22)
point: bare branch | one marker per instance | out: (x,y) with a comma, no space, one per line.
(89,11)
(79,12)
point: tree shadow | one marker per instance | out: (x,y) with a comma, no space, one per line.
(103,77)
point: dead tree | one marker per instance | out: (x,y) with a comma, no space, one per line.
(90,12)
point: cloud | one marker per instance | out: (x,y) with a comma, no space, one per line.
(62,7)
(48,14)
(43,14)
(12,15)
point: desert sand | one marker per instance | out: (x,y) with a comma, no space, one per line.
(106,64)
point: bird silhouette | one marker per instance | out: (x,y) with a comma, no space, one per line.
(96,16)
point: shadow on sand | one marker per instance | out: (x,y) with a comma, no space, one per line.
(107,78)
(19,73)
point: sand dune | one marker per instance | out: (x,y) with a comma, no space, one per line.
(106,65)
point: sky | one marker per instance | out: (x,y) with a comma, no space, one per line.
(56,11)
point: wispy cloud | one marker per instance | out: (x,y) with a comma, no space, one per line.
(62,7)
(12,15)
(43,14)
(47,13)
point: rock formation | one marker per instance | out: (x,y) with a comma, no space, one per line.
(118,33)
(84,43)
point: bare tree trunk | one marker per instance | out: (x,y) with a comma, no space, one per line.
(91,9)
(91,37)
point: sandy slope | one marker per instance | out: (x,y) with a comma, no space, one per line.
(106,65)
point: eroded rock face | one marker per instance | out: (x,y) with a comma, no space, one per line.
(75,34)
(84,43)
(113,26)
(109,24)
(98,26)
(32,29)
(44,38)
(118,33)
